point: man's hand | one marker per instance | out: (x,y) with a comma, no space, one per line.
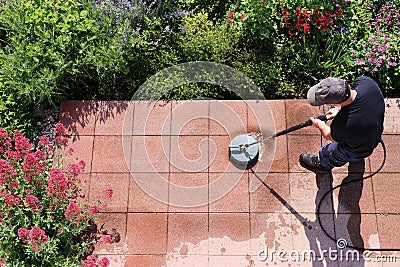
(323,127)
(333,112)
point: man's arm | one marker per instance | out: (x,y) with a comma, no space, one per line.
(324,128)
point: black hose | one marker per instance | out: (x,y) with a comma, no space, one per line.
(345,183)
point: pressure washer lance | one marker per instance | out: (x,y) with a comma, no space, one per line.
(323,117)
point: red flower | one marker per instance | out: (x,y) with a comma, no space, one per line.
(93,209)
(23,234)
(231,16)
(33,203)
(37,237)
(104,262)
(88,263)
(109,192)
(307,27)
(11,200)
(73,210)
(57,184)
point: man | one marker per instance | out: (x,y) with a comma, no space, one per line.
(356,129)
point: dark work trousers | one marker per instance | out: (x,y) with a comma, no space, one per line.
(335,155)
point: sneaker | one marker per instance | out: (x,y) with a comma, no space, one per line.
(311,163)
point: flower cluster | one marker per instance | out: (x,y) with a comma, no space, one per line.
(376,50)
(34,237)
(231,16)
(39,204)
(302,20)
(93,261)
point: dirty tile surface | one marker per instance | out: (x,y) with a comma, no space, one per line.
(178,201)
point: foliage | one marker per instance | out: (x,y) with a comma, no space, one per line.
(43,221)
(376,52)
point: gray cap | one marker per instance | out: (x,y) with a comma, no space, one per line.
(328,91)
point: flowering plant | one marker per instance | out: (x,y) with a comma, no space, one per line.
(44,220)
(301,20)
(378,51)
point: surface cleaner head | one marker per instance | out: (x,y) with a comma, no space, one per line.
(241,156)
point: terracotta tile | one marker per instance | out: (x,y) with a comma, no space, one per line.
(219,155)
(389,234)
(298,144)
(356,197)
(78,117)
(145,260)
(229,233)
(148,192)
(263,200)
(82,150)
(306,191)
(232,260)
(150,154)
(189,153)
(270,232)
(386,188)
(308,235)
(84,185)
(273,156)
(187,260)
(188,192)
(152,118)
(146,233)
(358,230)
(392,152)
(108,154)
(115,260)
(113,224)
(221,184)
(228,117)
(119,182)
(392,115)
(299,111)
(187,233)
(111,118)
(187,120)
(261,118)
(236,200)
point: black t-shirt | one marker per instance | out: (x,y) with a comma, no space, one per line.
(359,125)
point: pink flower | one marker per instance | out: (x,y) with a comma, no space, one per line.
(73,210)
(44,141)
(23,234)
(93,209)
(33,203)
(37,237)
(57,185)
(109,192)
(11,200)
(2,262)
(242,16)
(104,262)
(74,169)
(105,239)
(88,263)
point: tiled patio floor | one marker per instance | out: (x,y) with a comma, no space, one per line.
(179,202)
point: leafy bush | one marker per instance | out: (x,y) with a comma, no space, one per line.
(43,221)
(376,52)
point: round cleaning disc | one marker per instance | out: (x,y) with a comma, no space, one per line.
(243,159)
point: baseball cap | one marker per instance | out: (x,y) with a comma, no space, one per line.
(328,91)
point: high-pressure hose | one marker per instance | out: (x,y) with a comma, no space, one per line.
(346,183)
